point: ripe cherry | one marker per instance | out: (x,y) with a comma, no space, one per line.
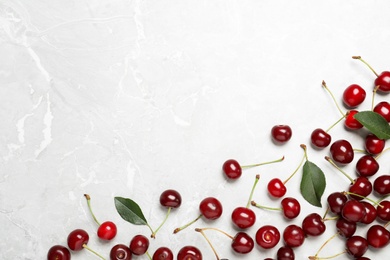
(267,236)
(383,210)
(320,138)
(356,246)
(120,252)
(367,166)
(345,228)
(293,236)
(242,243)
(378,236)
(353,95)
(285,253)
(276,188)
(139,244)
(342,151)
(382,80)
(163,253)
(243,217)
(336,201)
(58,252)
(373,145)
(350,121)
(281,133)
(353,211)
(77,239)
(382,185)
(383,108)
(370,215)
(313,225)
(189,253)
(291,207)
(211,208)
(362,187)
(233,170)
(170,199)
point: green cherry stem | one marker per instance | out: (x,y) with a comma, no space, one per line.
(215,229)
(187,225)
(328,257)
(208,241)
(324,244)
(252,191)
(90,208)
(368,65)
(335,123)
(299,165)
(148,255)
(263,163)
(379,155)
(338,168)
(376,203)
(92,251)
(373,96)
(162,223)
(334,99)
(253,203)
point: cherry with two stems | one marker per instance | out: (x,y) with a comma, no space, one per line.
(58,252)
(382,80)
(233,170)
(78,240)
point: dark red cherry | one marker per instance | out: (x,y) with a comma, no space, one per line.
(267,236)
(356,246)
(242,243)
(383,210)
(353,211)
(350,121)
(232,169)
(361,186)
(353,95)
(367,166)
(77,239)
(58,252)
(285,253)
(291,207)
(313,225)
(293,236)
(378,236)
(281,133)
(370,213)
(163,253)
(382,185)
(189,253)
(276,188)
(374,145)
(120,252)
(211,208)
(139,244)
(345,228)
(107,230)
(243,217)
(383,108)
(320,139)
(383,81)
(342,151)
(336,201)
(170,199)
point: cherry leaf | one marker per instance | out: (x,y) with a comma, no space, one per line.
(130,211)
(374,123)
(313,184)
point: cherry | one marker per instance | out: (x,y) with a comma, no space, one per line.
(356,246)
(382,185)
(233,170)
(382,80)
(342,151)
(291,207)
(163,253)
(353,211)
(285,253)
(362,187)
(276,188)
(242,243)
(281,133)
(373,144)
(378,236)
(170,199)
(350,121)
(211,208)
(189,253)
(293,236)
(139,244)
(336,201)
(58,252)
(367,166)
(313,225)
(320,138)
(354,95)
(383,210)
(345,228)
(77,239)
(370,213)
(267,236)
(120,252)
(383,109)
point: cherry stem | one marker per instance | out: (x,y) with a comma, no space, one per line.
(387,224)
(334,99)
(360,196)
(252,191)
(299,166)
(162,223)
(373,96)
(253,203)
(187,225)
(90,208)
(358,150)
(326,213)
(263,163)
(331,218)
(208,241)
(325,258)
(338,168)
(338,121)
(304,150)
(147,253)
(216,229)
(368,65)
(379,155)
(326,242)
(92,251)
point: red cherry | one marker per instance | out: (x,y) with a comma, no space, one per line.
(242,243)
(382,185)
(232,169)
(356,246)
(243,217)
(170,199)
(285,253)
(293,236)
(107,230)
(211,208)
(291,207)
(354,95)
(267,236)
(342,151)
(345,228)
(120,252)
(378,236)
(373,144)
(370,215)
(281,133)
(367,166)
(313,225)
(58,252)
(336,202)
(350,121)
(353,211)
(276,188)
(362,187)
(383,108)
(383,81)
(139,244)
(163,253)
(320,139)
(383,210)
(189,253)
(77,239)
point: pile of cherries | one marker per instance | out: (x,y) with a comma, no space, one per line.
(349,209)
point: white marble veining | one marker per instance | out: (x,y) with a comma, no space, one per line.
(130,97)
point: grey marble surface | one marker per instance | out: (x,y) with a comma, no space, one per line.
(129,98)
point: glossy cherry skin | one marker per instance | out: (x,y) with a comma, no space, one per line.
(313,225)
(378,236)
(373,145)
(58,252)
(232,169)
(281,133)
(293,236)
(243,217)
(267,236)
(353,95)
(345,228)
(336,201)
(356,246)
(170,199)
(189,253)
(285,253)
(320,139)
(120,252)
(211,208)
(276,188)
(107,230)
(242,243)
(77,238)
(382,185)
(353,211)
(383,210)
(163,253)
(383,108)
(342,152)
(361,186)
(367,166)
(370,213)
(383,81)
(291,207)
(350,121)
(139,244)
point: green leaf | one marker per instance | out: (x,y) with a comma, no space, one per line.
(313,183)
(375,123)
(130,211)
